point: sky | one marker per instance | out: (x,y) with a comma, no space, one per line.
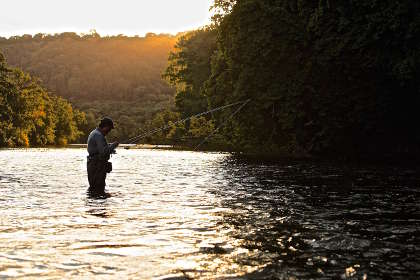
(107,17)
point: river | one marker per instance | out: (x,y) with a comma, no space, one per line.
(182,215)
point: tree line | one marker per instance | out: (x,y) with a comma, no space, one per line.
(30,116)
(325,77)
(116,76)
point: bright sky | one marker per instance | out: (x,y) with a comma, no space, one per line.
(108,17)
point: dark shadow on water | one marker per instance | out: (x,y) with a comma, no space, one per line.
(98,204)
(322,220)
(97,195)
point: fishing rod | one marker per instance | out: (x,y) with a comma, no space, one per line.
(221,125)
(135,139)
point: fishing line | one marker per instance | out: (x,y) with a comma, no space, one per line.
(222,124)
(135,139)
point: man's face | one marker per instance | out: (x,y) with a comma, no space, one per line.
(106,130)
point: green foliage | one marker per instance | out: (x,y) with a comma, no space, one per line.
(189,68)
(200,127)
(175,131)
(166,118)
(115,76)
(66,126)
(324,77)
(29,116)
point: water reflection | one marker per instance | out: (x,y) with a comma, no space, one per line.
(183,215)
(98,206)
(318,220)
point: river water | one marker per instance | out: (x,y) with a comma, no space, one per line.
(182,215)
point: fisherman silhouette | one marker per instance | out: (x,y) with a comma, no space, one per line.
(99,153)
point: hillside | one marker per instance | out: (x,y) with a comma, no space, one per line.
(116,76)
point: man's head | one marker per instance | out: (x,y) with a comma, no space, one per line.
(105,125)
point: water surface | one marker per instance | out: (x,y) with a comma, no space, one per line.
(180,215)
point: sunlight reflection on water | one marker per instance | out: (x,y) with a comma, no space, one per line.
(188,214)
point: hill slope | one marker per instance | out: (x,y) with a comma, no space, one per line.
(116,76)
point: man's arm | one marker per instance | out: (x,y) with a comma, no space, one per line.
(113,146)
(104,148)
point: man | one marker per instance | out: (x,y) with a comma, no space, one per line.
(99,153)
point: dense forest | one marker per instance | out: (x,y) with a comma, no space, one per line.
(30,116)
(117,76)
(325,77)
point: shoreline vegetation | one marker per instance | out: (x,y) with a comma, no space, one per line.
(325,81)
(31,116)
(116,76)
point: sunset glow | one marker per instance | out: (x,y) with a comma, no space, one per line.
(127,17)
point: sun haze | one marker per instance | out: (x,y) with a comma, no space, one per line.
(129,17)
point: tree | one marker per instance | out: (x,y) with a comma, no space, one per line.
(189,68)
(117,76)
(328,78)
(323,76)
(29,116)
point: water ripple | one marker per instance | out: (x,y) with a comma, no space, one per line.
(183,215)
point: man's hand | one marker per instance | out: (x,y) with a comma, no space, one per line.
(114,146)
